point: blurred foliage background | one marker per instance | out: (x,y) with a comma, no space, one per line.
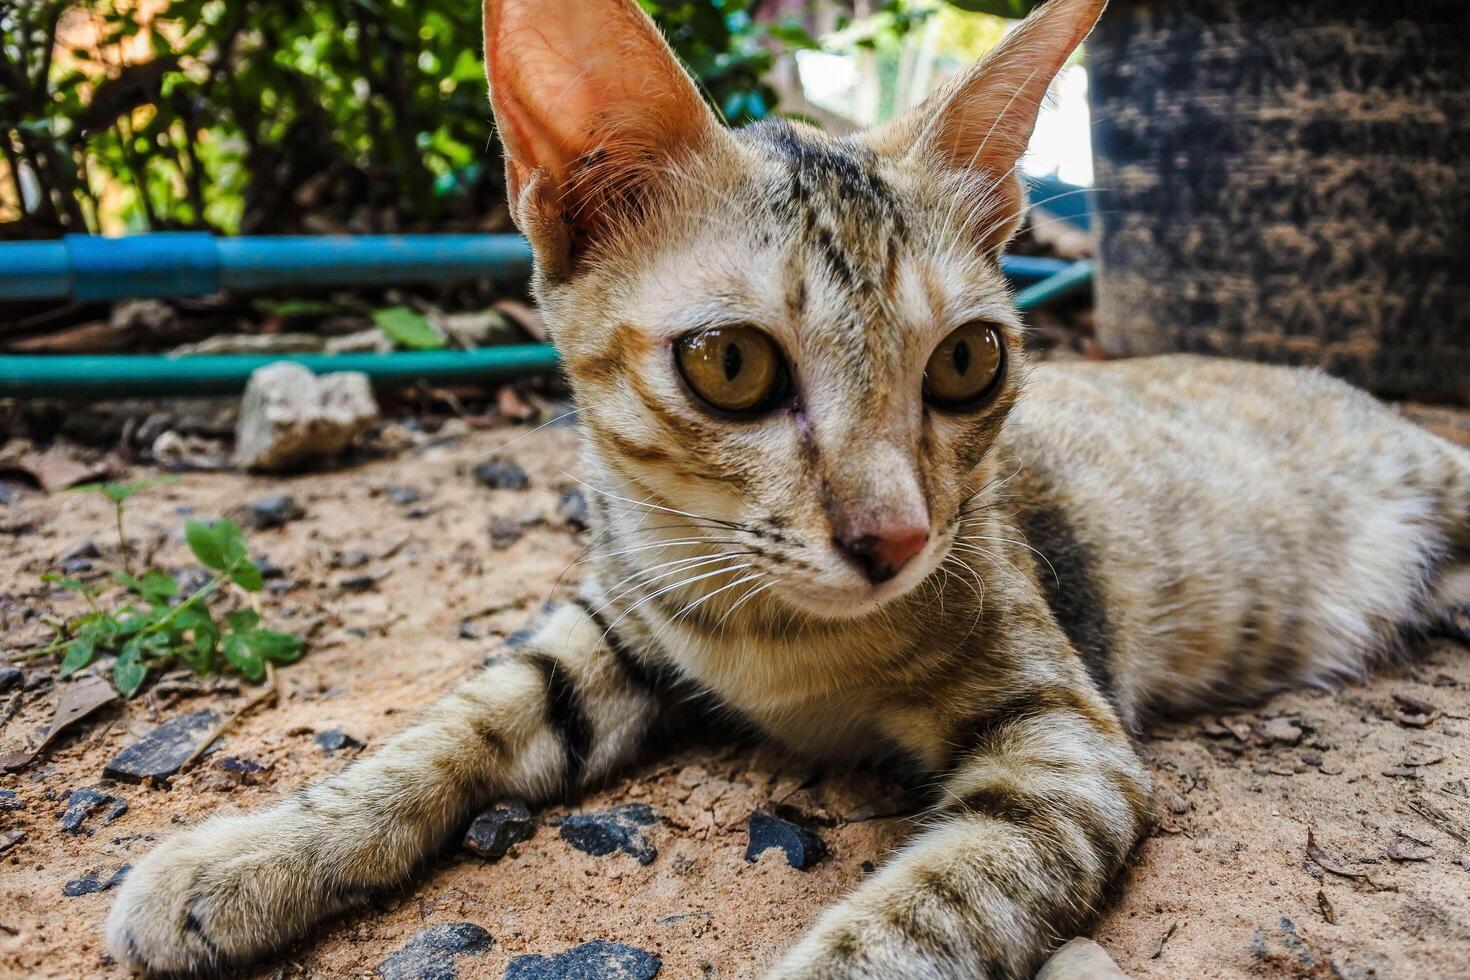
(291,116)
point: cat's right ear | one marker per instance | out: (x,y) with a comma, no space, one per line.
(592,108)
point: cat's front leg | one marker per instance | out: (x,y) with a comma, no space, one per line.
(553,714)
(1043,806)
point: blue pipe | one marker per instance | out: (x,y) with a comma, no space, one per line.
(189,263)
(97,376)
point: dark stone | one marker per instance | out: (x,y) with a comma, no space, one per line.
(352,559)
(82,802)
(75,566)
(10,838)
(520,637)
(597,960)
(335,741)
(161,752)
(402,496)
(231,763)
(191,580)
(572,508)
(268,569)
(430,955)
(505,532)
(9,677)
(87,549)
(501,474)
(271,512)
(495,829)
(7,495)
(281,586)
(612,830)
(358,583)
(801,847)
(9,801)
(90,883)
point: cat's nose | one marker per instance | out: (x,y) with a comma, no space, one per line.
(882,552)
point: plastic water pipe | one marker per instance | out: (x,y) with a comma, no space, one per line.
(188,263)
(169,264)
(84,376)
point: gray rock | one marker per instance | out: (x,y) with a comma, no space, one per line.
(402,496)
(504,532)
(612,830)
(1081,959)
(493,832)
(247,767)
(83,802)
(9,677)
(161,752)
(802,847)
(597,960)
(92,882)
(10,838)
(335,741)
(501,474)
(7,495)
(289,416)
(430,955)
(75,566)
(9,801)
(86,549)
(274,511)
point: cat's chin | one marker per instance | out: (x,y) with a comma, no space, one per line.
(849,602)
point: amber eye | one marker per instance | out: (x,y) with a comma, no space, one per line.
(964,367)
(735,369)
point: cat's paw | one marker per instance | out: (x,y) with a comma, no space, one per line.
(224,892)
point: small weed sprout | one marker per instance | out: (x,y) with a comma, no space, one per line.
(119,493)
(155,627)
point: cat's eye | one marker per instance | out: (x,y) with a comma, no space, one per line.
(734,369)
(965,367)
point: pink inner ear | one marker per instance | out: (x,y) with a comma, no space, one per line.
(571,76)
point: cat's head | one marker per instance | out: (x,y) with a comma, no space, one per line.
(805,336)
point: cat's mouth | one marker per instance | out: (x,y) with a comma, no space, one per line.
(849,591)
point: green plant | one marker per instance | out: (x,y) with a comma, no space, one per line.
(408,328)
(260,116)
(153,627)
(119,493)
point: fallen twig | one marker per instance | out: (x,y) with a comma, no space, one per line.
(271,692)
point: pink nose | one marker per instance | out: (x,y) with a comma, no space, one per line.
(881,553)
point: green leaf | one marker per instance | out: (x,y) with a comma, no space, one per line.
(407,328)
(243,620)
(243,656)
(219,546)
(128,671)
(155,586)
(79,653)
(247,576)
(65,582)
(207,544)
(278,648)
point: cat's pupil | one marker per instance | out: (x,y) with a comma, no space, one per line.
(733,361)
(962,357)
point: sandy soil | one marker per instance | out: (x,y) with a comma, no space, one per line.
(1224,888)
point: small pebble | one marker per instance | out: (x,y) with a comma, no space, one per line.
(802,847)
(597,960)
(572,508)
(501,474)
(335,741)
(9,677)
(9,801)
(403,496)
(161,752)
(504,532)
(612,830)
(83,802)
(497,828)
(430,955)
(91,883)
(271,512)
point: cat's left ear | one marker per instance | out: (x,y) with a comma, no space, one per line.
(592,108)
(979,124)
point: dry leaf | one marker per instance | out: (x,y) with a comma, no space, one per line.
(523,316)
(55,469)
(78,700)
(1405,848)
(1328,912)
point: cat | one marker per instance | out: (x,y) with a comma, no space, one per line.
(836,502)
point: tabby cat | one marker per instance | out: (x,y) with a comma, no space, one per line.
(835,500)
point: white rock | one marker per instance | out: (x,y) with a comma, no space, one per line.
(1081,959)
(290,416)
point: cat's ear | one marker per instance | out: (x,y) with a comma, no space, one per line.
(591,105)
(979,124)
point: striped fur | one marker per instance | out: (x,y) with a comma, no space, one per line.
(1106,541)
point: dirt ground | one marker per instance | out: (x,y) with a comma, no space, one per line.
(402,600)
